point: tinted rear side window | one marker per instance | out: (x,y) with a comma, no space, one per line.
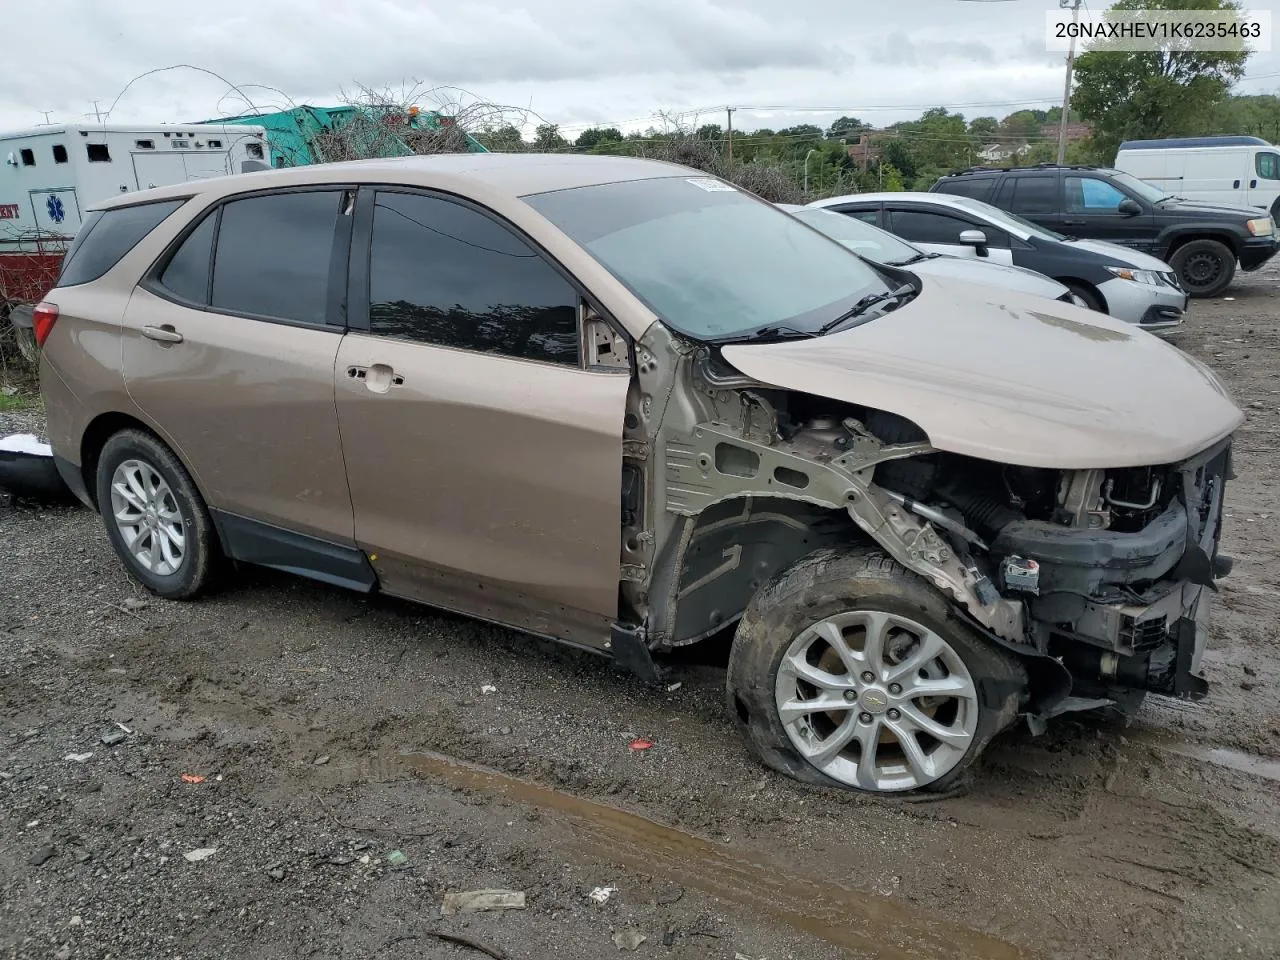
(187,275)
(273,257)
(979,188)
(1034,195)
(445,274)
(107,236)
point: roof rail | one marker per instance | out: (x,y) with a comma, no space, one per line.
(1175,142)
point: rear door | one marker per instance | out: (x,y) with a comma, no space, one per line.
(939,231)
(229,347)
(1036,197)
(484,458)
(1093,211)
(158,169)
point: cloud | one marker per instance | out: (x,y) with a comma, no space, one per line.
(577,62)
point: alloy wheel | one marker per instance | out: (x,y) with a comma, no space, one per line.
(147,516)
(876,701)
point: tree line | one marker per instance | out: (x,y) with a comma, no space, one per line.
(1120,95)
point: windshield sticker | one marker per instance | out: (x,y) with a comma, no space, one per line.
(711,186)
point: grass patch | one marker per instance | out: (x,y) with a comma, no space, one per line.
(22,400)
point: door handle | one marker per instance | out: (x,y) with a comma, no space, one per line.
(1253,184)
(1235,185)
(1073,223)
(378,378)
(163,333)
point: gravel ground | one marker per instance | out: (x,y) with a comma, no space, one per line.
(328,729)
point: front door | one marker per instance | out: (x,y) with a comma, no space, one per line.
(940,233)
(229,351)
(484,459)
(1092,209)
(1264,180)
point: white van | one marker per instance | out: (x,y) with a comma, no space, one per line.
(1233,171)
(50,175)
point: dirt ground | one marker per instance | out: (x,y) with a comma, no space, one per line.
(335,733)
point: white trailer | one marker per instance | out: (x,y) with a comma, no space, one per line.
(51,175)
(1232,171)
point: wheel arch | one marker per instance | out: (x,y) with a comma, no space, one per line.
(732,549)
(106,425)
(1092,289)
(1180,238)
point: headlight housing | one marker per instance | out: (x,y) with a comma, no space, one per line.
(1137,276)
(1262,226)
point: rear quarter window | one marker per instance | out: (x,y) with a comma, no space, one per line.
(107,235)
(979,188)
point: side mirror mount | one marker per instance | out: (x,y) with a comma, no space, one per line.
(1129,207)
(976,239)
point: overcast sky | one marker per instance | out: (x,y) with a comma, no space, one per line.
(575,62)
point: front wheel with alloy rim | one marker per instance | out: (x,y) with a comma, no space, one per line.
(156,519)
(850,670)
(1205,267)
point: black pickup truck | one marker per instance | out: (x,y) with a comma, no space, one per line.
(1201,241)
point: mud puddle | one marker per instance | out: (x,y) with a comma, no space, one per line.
(1236,760)
(857,920)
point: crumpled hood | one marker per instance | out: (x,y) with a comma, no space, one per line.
(1201,208)
(983,271)
(1012,378)
(1119,254)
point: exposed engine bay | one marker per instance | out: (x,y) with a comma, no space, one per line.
(1100,579)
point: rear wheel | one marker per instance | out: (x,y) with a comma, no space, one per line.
(156,519)
(1205,267)
(849,670)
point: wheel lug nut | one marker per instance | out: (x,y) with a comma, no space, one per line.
(893,714)
(864,717)
(895,688)
(851,695)
(868,676)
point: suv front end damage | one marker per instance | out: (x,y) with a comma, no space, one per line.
(1121,579)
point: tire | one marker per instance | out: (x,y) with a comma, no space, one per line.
(858,584)
(1092,299)
(1204,267)
(178,572)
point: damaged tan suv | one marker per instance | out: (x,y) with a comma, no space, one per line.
(625,405)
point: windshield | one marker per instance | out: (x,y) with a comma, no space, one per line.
(862,238)
(1143,189)
(713,262)
(1003,218)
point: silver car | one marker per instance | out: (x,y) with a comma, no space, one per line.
(1130,286)
(882,247)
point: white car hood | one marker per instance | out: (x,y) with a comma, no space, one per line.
(984,271)
(1011,378)
(1123,255)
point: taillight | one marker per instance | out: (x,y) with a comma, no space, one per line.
(44,317)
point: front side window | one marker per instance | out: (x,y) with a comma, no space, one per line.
(1034,195)
(107,235)
(713,262)
(921,227)
(1268,166)
(273,255)
(446,274)
(1091,195)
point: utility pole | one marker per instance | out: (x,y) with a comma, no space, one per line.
(729,110)
(1066,90)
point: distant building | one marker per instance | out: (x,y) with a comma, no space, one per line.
(866,150)
(1075,131)
(1000,152)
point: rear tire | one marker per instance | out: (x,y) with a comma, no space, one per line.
(819,629)
(156,520)
(1205,267)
